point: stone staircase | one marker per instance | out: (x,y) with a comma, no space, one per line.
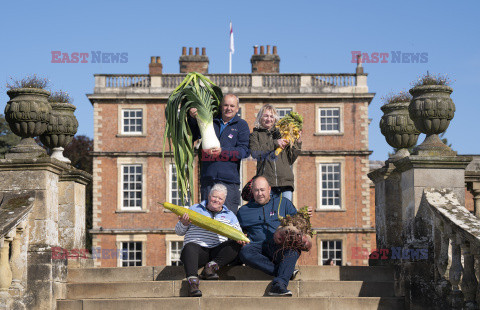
(239,287)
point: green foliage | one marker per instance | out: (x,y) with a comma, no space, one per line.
(31,81)
(189,94)
(7,138)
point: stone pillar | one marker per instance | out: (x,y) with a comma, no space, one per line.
(5,270)
(18,260)
(419,172)
(388,206)
(71,209)
(46,275)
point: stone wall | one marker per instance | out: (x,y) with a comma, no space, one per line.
(56,220)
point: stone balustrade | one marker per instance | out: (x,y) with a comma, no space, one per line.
(456,248)
(14,210)
(237,83)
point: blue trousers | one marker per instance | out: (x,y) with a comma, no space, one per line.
(285,194)
(271,259)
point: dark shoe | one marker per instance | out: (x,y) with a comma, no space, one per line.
(193,290)
(210,271)
(294,274)
(279,290)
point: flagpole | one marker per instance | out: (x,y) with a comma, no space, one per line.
(232,48)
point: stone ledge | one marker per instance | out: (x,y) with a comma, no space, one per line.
(429,162)
(40,163)
(76,175)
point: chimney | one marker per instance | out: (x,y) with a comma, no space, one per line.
(265,63)
(198,63)
(155,67)
(359,69)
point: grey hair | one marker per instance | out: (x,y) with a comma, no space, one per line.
(218,188)
(232,95)
(258,120)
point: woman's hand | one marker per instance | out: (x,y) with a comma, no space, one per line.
(282,143)
(242,243)
(310,211)
(184,219)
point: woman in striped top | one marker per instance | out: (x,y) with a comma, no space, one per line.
(202,247)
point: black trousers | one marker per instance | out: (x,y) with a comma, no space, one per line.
(194,256)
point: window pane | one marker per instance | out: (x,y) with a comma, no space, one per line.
(132,121)
(329,119)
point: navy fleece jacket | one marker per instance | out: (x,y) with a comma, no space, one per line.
(259,222)
(234,142)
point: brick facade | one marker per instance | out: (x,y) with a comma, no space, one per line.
(351,222)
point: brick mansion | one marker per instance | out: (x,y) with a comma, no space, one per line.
(130,178)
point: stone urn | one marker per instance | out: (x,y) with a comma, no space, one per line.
(431,109)
(398,128)
(62,126)
(27,113)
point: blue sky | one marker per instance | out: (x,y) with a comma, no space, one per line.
(312,37)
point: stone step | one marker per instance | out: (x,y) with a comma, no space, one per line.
(155,289)
(237,303)
(307,273)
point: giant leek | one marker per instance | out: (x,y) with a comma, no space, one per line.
(207,223)
(195,91)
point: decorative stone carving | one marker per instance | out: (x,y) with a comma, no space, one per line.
(398,129)
(431,109)
(27,114)
(61,128)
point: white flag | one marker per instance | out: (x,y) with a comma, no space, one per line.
(232,47)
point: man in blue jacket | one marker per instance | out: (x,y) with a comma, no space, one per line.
(222,165)
(259,219)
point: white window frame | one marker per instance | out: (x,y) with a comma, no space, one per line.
(121,162)
(168,240)
(334,189)
(276,106)
(320,237)
(133,107)
(170,187)
(131,238)
(335,259)
(283,109)
(318,109)
(179,250)
(319,162)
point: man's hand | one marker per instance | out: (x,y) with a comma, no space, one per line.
(310,211)
(215,152)
(184,219)
(192,112)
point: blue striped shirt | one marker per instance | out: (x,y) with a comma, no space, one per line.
(202,236)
